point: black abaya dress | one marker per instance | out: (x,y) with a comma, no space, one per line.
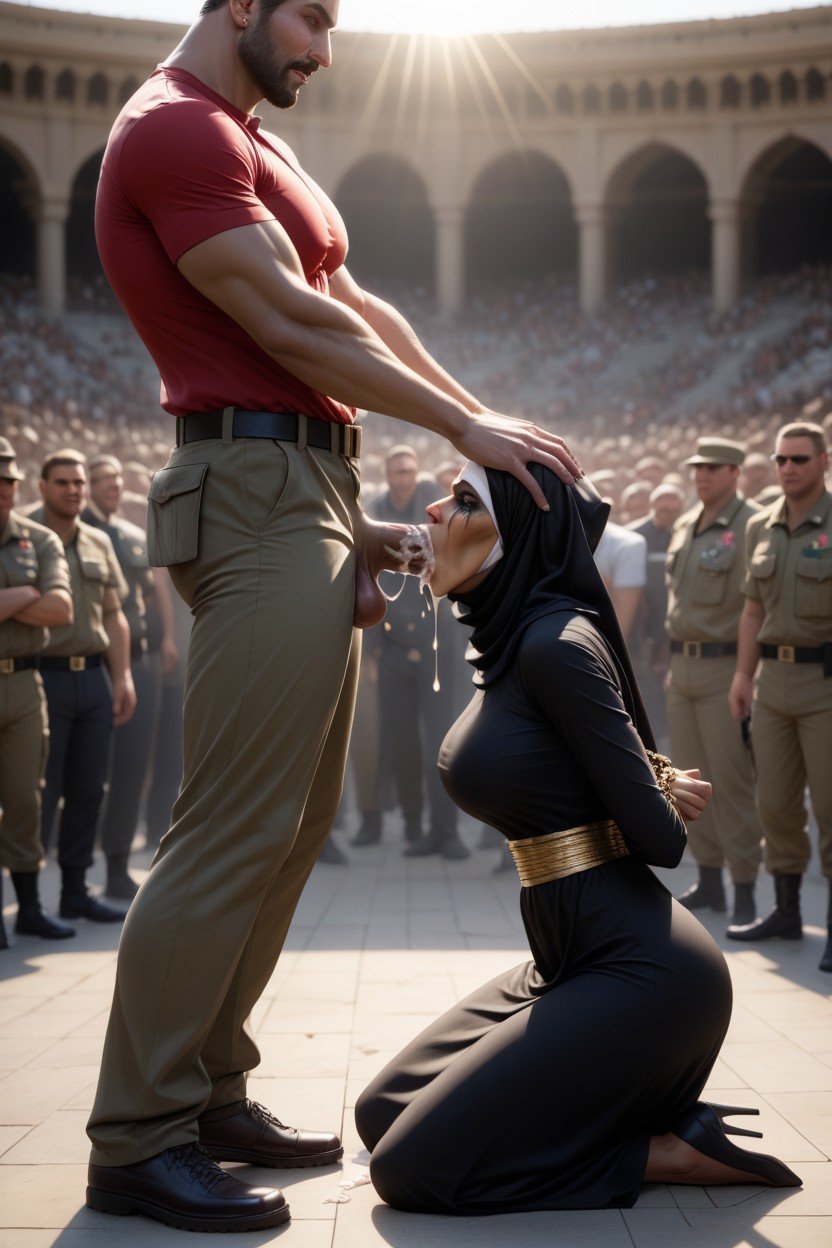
(542,1089)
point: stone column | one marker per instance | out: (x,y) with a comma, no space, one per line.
(726,253)
(594,223)
(53,212)
(450,258)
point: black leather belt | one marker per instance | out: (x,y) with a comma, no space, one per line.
(8,666)
(703,649)
(324,435)
(76,663)
(802,654)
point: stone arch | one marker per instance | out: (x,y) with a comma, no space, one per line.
(19,194)
(787,193)
(385,205)
(815,85)
(128,88)
(34,83)
(619,98)
(82,262)
(730,92)
(697,94)
(669,95)
(520,222)
(787,87)
(645,97)
(66,86)
(658,199)
(565,100)
(759,91)
(98,90)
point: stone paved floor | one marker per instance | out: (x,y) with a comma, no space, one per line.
(376,951)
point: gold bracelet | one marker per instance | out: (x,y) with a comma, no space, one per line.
(664,772)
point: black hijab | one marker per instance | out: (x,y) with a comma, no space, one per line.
(547,566)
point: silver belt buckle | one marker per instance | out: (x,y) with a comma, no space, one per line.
(352,441)
(77,664)
(785,654)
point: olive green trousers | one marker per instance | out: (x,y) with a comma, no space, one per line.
(24,743)
(703,734)
(259,539)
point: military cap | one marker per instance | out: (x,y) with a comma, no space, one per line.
(9,470)
(718,451)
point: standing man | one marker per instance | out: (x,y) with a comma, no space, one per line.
(133,741)
(83,705)
(648,646)
(705,572)
(34,596)
(229,261)
(787,623)
(414,716)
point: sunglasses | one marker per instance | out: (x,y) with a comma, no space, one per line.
(780,460)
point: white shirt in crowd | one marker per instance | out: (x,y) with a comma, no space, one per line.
(621,557)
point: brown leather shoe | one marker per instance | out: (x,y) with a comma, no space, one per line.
(246,1131)
(183,1187)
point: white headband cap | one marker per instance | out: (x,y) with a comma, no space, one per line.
(476,476)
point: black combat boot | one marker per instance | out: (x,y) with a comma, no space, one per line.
(825,963)
(707,891)
(78,903)
(745,909)
(783,921)
(120,883)
(31,919)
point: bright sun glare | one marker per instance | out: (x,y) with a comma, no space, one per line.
(438,17)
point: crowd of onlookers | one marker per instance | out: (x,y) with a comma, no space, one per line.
(619,383)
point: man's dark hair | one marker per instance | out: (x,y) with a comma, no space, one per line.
(62,459)
(210,6)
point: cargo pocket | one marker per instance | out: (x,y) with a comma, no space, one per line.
(813,588)
(711,581)
(173,515)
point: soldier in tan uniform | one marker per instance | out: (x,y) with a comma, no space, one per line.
(34,595)
(785,639)
(83,704)
(705,570)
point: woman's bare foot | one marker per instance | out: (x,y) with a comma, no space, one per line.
(671,1160)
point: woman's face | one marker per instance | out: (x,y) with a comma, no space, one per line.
(463,535)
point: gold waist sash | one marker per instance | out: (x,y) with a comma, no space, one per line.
(540,859)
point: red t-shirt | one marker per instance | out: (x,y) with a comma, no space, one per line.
(182,165)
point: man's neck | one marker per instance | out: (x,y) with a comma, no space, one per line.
(66,528)
(208,53)
(797,509)
(710,511)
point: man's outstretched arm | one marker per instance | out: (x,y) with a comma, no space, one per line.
(255,276)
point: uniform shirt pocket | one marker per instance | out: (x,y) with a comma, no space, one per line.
(813,589)
(95,574)
(711,580)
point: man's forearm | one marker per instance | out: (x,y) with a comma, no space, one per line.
(402,339)
(117,654)
(748,648)
(15,600)
(51,611)
(164,604)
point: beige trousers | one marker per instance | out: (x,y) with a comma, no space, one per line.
(704,735)
(791,723)
(24,743)
(269,697)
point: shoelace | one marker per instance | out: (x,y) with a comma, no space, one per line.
(198,1165)
(264,1115)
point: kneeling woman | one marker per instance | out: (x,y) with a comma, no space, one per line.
(569,1081)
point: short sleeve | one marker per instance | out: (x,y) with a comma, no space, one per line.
(750,588)
(191,170)
(630,571)
(53,568)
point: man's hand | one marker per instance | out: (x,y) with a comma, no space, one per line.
(124,699)
(509,444)
(691,794)
(740,696)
